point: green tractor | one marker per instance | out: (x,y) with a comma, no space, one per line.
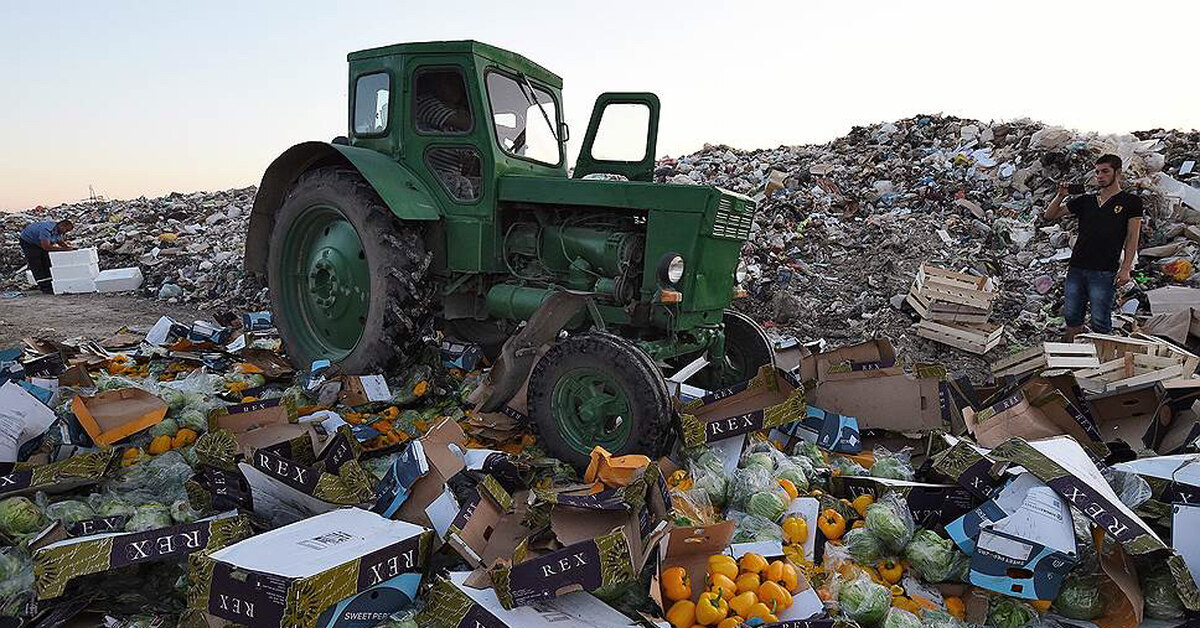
(450,204)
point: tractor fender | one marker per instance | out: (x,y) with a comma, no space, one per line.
(401,190)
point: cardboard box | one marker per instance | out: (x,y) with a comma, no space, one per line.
(56,564)
(218,489)
(477,520)
(453,603)
(1066,467)
(968,465)
(1173,479)
(374,605)
(23,417)
(829,430)
(259,424)
(932,505)
(1036,410)
(771,398)
(415,486)
(689,548)
(360,390)
(115,414)
(1137,415)
(289,576)
(1027,550)
(334,479)
(64,475)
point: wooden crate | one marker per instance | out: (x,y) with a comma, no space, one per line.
(1048,355)
(975,338)
(1109,348)
(1133,369)
(940,294)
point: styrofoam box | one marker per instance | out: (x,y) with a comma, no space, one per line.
(78,271)
(74,258)
(74,286)
(119,279)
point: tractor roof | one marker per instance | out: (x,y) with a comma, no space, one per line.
(503,57)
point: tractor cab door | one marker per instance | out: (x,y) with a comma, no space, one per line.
(621,137)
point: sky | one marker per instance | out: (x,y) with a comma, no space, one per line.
(140,98)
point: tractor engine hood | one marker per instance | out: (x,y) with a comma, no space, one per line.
(614,194)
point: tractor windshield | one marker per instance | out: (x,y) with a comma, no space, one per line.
(524,116)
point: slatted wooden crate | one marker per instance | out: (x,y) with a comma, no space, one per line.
(1048,355)
(1132,369)
(946,296)
(977,338)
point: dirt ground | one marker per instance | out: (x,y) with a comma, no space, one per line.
(92,316)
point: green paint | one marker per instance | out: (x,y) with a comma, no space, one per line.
(592,409)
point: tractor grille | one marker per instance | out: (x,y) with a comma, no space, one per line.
(730,223)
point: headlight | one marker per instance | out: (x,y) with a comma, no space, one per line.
(742,273)
(670,269)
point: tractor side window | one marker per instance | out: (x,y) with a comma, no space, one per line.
(621,134)
(459,170)
(371,96)
(440,104)
(524,117)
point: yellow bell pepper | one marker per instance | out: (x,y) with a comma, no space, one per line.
(861,502)
(676,585)
(721,582)
(711,608)
(832,524)
(789,487)
(761,612)
(774,596)
(748,582)
(785,575)
(732,621)
(742,602)
(723,564)
(682,614)
(891,570)
(795,529)
(752,563)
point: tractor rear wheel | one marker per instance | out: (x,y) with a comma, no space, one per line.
(598,389)
(347,279)
(747,348)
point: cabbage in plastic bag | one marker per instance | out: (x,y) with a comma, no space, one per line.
(16,581)
(889,519)
(894,466)
(747,482)
(845,466)
(863,546)
(108,505)
(181,511)
(864,601)
(900,618)
(148,516)
(1162,600)
(788,470)
(769,505)
(69,511)
(710,481)
(194,420)
(160,479)
(938,618)
(812,452)
(1132,489)
(932,557)
(1080,598)
(19,515)
(752,528)
(1007,612)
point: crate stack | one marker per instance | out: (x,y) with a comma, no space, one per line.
(955,308)
(78,272)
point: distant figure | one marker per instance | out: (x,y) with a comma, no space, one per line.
(37,240)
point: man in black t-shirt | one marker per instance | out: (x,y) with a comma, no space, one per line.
(1110,222)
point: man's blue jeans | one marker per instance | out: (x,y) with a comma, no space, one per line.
(1089,286)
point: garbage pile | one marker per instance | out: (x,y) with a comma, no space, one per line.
(843,227)
(188,247)
(189,475)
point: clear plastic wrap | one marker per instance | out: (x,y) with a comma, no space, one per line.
(1131,488)
(1007,612)
(892,465)
(933,558)
(812,452)
(149,516)
(1080,597)
(865,548)
(16,581)
(1161,598)
(160,479)
(900,618)
(794,473)
(890,520)
(708,477)
(66,511)
(842,465)
(747,482)
(753,528)
(864,601)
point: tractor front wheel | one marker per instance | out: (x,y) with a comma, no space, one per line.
(747,347)
(598,389)
(347,279)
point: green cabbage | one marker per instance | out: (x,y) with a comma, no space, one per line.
(110,506)
(940,619)
(766,505)
(165,427)
(194,420)
(753,528)
(1162,600)
(1007,612)
(846,466)
(890,521)
(748,482)
(148,516)
(863,546)
(760,459)
(70,511)
(892,467)
(810,450)
(900,618)
(181,511)
(933,558)
(864,601)
(794,474)
(1080,598)
(18,515)
(16,581)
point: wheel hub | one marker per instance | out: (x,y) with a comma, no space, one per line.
(592,409)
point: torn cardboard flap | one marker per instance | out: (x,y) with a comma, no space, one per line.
(689,548)
(443,449)
(477,520)
(882,399)
(363,389)
(1037,410)
(115,414)
(771,398)
(1137,415)
(453,603)
(259,424)
(64,475)
(852,362)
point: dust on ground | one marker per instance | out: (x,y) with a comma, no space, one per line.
(92,316)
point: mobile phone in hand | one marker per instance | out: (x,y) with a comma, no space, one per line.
(1075,188)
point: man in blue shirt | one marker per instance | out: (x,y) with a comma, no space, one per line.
(37,240)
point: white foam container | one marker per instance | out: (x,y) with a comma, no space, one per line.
(78,257)
(77,271)
(119,279)
(73,286)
